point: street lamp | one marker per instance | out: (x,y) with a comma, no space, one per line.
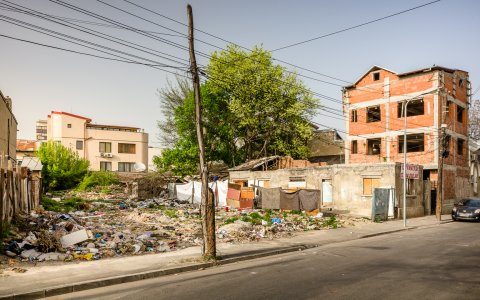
(405,162)
(404,107)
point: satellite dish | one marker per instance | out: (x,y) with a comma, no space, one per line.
(139,167)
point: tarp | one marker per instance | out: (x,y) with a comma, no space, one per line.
(220,189)
(289,201)
(270,198)
(184,191)
(309,199)
(276,198)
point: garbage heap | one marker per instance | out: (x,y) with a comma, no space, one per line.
(111,228)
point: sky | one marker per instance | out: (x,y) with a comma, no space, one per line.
(40,79)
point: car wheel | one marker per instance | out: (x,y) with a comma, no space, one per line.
(453,218)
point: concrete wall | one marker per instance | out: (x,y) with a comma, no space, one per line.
(8,131)
(347,184)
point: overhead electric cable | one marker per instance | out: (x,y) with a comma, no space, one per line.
(356,26)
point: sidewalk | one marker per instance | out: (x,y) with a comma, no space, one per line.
(42,281)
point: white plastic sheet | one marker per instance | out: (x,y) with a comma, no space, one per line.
(184,191)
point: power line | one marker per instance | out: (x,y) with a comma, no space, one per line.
(83,29)
(96,23)
(356,26)
(86,54)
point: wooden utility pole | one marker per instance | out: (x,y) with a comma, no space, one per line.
(207,203)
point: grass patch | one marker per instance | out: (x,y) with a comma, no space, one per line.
(331,222)
(97,178)
(171,213)
(65,205)
(230,220)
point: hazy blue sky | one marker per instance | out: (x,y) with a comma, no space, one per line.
(40,80)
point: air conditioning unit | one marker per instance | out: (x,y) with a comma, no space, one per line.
(108,155)
(102,154)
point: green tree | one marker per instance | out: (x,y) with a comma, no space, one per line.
(272,108)
(62,167)
(251,108)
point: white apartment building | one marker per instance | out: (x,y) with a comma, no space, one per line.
(107,147)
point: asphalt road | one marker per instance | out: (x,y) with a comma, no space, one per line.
(441,262)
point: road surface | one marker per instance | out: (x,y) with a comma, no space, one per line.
(440,262)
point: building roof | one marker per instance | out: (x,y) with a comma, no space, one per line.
(254,163)
(112,127)
(33,163)
(26,145)
(326,143)
(429,69)
(69,114)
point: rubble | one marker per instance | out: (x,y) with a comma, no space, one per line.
(111,226)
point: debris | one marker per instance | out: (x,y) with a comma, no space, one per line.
(74,238)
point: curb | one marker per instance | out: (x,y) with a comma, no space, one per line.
(102,282)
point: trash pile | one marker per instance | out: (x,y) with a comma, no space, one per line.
(102,228)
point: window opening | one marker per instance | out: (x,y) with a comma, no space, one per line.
(374,146)
(373,114)
(414,108)
(415,143)
(354,147)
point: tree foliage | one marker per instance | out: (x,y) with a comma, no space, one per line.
(474,120)
(171,97)
(251,108)
(62,167)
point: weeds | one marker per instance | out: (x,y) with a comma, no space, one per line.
(65,205)
(171,213)
(332,222)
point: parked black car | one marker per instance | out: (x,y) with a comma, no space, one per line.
(466,209)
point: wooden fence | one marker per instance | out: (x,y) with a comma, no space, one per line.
(20,192)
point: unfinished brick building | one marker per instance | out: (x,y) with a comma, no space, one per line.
(436,98)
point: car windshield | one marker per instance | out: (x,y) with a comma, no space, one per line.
(470,202)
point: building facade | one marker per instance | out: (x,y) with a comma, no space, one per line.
(435,102)
(355,197)
(107,147)
(41,130)
(8,133)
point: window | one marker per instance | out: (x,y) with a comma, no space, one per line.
(125,167)
(369,184)
(79,145)
(373,114)
(354,115)
(354,147)
(414,108)
(460,111)
(69,125)
(460,82)
(297,182)
(374,146)
(105,166)
(126,148)
(415,142)
(105,147)
(376,76)
(460,144)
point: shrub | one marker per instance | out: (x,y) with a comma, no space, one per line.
(97,178)
(65,205)
(62,167)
